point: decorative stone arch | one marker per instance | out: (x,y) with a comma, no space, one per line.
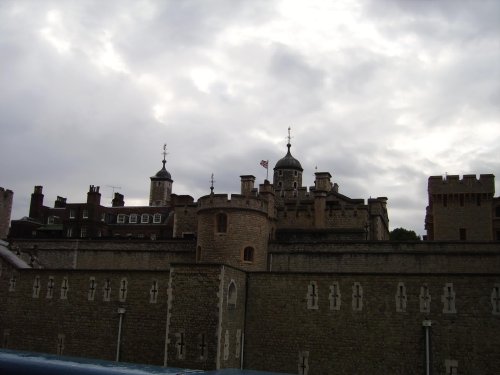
(232,294)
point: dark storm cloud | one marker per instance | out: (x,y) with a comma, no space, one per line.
(381,94)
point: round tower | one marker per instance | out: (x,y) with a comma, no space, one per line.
(233,231)
(161,185)
(288,171)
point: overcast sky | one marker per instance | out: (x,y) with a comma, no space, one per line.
(380,93)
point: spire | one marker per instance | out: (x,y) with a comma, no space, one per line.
(212,184)
(289,144)
(165,153)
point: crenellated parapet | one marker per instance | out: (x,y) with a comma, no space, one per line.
(232,201)
(469,183)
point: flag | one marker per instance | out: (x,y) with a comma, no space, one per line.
(264,163)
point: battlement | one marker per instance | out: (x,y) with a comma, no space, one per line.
(469,183)
(6,193)
(224,201)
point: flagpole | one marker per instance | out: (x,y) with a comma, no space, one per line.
(267,169)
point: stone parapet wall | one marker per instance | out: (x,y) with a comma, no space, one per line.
(116,254)
(384,257)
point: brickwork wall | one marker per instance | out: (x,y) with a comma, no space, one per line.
(90,328)
(193,311)
(377,339)
(233,319)
(404,257)
(116,254)
(6,197)
(184,220)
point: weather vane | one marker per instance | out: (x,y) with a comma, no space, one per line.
(212,184)
(165,153)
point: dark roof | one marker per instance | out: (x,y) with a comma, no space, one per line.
(288,162)
(162,174)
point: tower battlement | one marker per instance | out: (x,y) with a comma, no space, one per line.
(469,183)
(232,201)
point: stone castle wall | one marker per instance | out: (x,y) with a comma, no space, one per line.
(75,325)
(116,254)
(383,257)
(380,333)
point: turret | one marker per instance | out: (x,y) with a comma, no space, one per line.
(287,171)
(234,231)
(161,185)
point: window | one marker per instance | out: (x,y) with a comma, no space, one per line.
(248,254)
(401,298)
(221,223)
(280,184)
(132,219)
(495,299)
(64,288)
(295,173)
(231,295)
(36,287)
(357,297)
(295,185)
(463,234)
(69,232)
(85,214)
(157,218)
(280,173)
(144,218)
(83,232)
(92,289)
(50,220)
(153,292)
(448,299)
(103,217)
(335,297)
(451,366)
(72,214)
(312,296)
(120,219)
(425,299)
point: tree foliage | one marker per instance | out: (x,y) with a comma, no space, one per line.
(401,234)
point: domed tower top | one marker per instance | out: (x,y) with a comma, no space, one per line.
(288,171)
(161,185)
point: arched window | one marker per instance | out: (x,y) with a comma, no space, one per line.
(248,254)
(221,219)
(232,294)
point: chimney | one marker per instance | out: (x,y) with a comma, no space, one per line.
(36,203)
(247,184)
(93,196)
(118,200)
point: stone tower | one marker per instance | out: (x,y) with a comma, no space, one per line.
(460,209)
(5,211)
(235,230)
(287,173)
(161,185)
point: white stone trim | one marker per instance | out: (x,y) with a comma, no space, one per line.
(425,299)
(357,297)
(312,296)
(401,298)
(335,296)
(448,298)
